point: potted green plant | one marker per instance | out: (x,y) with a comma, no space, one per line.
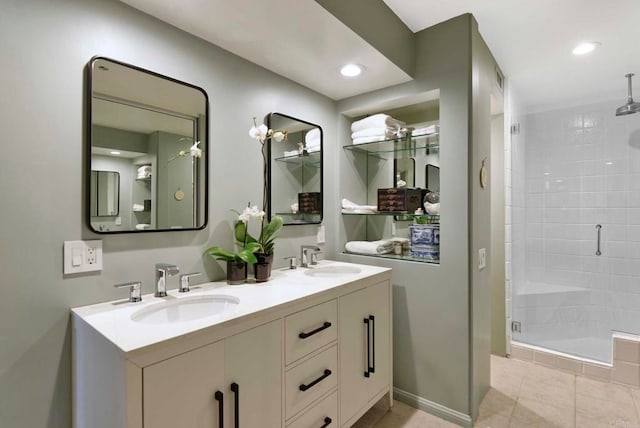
(268,229)
(237,262)
(263,246)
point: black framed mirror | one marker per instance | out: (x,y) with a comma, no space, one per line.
(152,130)
(295,171)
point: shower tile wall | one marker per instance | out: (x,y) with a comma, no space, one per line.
(580,167)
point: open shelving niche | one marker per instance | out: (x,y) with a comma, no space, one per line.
(311,160)
(375,153)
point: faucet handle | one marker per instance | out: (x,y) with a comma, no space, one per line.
(314,257)
(293,262)
(135,290)
(184,281)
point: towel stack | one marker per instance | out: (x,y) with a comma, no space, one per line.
(425,130)
(312,140)
(378,127)
(349,207)
(369,247)
(144,172)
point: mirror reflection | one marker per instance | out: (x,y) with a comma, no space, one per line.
(295,171)
(151,131)
(105,189)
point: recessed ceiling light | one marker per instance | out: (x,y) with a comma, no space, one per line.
(115,153)
(351,70)
(585,48)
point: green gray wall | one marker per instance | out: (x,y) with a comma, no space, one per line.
(44,48)
(431,303)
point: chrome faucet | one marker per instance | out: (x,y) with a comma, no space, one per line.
(308,255)
(164,270)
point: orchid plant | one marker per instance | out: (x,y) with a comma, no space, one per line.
(194,151)
(268,230)
(247,247)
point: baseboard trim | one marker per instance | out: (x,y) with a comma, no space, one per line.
(433,408)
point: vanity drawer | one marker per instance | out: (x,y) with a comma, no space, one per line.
(317,376)
(325,413)
(310,329)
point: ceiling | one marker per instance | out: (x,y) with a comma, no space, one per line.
(530,39)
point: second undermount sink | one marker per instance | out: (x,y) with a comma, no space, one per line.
(332,271)
(185,309)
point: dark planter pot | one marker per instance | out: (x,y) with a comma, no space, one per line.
(236,272)
(262,268)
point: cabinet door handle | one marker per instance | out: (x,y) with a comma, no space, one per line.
(372,320)
(220,399)
(327,422)
(236,404)
(325,375)
(366,373)
(598,228)
(325,326)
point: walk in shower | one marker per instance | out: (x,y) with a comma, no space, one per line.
(575,224)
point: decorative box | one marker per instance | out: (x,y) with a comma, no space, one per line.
(399,200)
(310,203)
(424,235)
(427,252)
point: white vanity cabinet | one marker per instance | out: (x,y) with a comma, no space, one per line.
(365,350)
(292,354)
(238,378)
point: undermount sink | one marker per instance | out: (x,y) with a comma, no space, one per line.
(332,271)
(185,309)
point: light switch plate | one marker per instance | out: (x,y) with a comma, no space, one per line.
(482,258)
(82,256)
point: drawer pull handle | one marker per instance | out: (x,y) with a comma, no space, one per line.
(325,375)
(327,422)
(372,320)
(220,399)
(325,326)
(236,404)
(368,368)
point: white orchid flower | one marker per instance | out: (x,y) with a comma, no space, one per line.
(250,212)
(278,136)
(195,151)
(259,133)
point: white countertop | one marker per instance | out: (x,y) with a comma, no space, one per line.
(113,319)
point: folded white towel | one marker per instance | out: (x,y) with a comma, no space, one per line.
(359,211)
(426,130)
(348,205)
(291,153)
(138,207)
(364,140)
(369,247)
(143,226)
(376,121)
(374,132)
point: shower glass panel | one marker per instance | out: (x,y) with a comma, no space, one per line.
(575,169)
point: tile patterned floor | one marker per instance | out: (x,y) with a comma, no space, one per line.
(524,395)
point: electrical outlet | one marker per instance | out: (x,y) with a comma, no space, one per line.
(82,256)
(320,234)
(482,258)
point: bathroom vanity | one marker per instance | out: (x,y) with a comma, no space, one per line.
(310,348)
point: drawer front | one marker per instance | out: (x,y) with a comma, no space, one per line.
(323,414)
(313,325)
(317,375)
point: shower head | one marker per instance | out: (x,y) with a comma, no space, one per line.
(630,107)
